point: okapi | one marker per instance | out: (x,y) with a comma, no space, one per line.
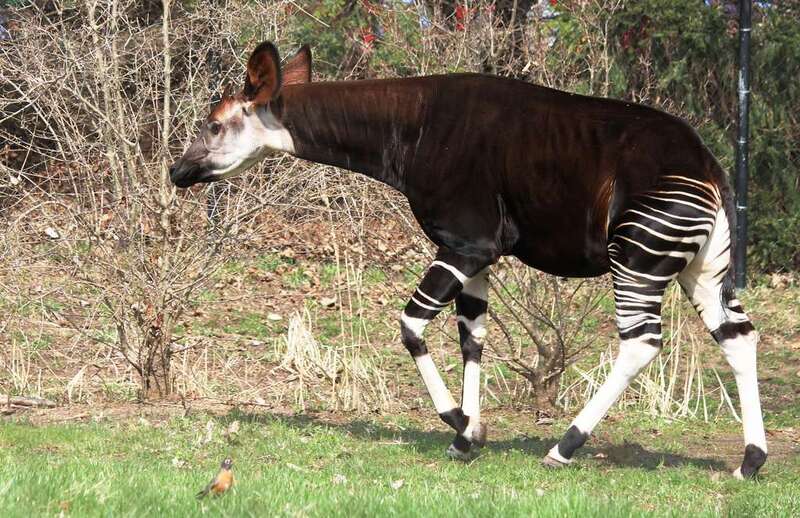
(571,185)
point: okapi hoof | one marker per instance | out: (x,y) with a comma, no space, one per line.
(754,458)
(479,435)
(463,455)
(553,463)
(462,448)
(456,454)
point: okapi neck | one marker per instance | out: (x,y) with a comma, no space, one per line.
(369,127)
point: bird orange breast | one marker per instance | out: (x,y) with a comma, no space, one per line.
(223,483)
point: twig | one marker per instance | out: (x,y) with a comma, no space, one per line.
(27,401)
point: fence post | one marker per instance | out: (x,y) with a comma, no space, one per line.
(740,253)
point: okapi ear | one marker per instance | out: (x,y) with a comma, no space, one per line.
(262,82)
(298,69)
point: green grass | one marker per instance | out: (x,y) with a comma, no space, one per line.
(38,342)
(251,325)
(298,466)
(271,262)
(295,278)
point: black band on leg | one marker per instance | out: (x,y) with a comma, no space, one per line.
(456,419)
(470,307)
(571,441)
(413,344)
(754,458)
(471,349)
(730,330)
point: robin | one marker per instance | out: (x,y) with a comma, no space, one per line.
(221,482)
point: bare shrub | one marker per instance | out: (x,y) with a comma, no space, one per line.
(548,323)
(102,95)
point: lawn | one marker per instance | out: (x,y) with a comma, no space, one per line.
(335,465)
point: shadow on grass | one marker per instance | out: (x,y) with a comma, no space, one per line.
(434,443)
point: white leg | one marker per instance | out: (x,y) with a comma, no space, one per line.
(703,282)
(741,355)
(442,399)
(634,355)
(471,305)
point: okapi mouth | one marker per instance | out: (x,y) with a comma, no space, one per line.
(184,177)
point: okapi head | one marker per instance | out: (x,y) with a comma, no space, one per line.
(244,127)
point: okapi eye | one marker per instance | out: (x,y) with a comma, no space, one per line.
(214,127)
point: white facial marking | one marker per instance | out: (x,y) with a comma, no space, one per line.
(242,145)
(275,135)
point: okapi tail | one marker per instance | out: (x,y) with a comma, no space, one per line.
(729,206)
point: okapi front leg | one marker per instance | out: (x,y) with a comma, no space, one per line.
(442,282)
(471,306)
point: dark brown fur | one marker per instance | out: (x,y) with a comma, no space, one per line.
(495,166)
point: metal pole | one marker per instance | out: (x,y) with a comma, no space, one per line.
(740,254)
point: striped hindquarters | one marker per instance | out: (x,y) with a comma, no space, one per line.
(655,239)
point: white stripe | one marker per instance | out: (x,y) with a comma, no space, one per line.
(706,227)
(452,269)
(710,188)
(646,276)
(442,399)
(477,327)
(675,216)
(681,202)
(692,238)
(426,306)
(683,193)
(686,255)
(431,299)
(416,325)
(639,297)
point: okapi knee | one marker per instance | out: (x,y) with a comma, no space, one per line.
(471,326)
(411,335)
(471,349)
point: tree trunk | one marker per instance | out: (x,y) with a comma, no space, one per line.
(545,392)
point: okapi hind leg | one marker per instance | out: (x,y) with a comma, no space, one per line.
(471,307)
(443,281)
(638,314)
(708,284)
(654,240)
